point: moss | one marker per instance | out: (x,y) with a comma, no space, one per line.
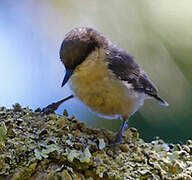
(24,173)
(59,147)
(3,132)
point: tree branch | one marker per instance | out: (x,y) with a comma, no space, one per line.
(59,147)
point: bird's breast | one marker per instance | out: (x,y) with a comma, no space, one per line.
(95,85)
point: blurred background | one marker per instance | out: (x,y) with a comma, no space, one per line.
(157,33)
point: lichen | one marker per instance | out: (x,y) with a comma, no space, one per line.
(59,147)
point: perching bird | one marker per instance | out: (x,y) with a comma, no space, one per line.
(104,76)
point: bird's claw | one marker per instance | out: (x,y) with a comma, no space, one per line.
(51,108)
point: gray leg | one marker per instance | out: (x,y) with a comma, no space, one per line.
(119,135)
(51,108)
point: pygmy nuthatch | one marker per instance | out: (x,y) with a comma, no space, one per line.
(105,77)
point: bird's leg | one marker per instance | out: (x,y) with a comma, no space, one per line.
(119,135)
(51,108)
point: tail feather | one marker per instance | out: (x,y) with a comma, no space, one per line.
(160,100)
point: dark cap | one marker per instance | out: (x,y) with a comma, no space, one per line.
(78,44)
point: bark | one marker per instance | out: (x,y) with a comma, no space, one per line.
(59,147)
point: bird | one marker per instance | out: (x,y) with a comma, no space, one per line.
(105,77)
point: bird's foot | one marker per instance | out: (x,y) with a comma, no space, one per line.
(116,140)
(119,136)
(51,108)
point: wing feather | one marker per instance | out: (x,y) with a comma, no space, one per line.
(125,68)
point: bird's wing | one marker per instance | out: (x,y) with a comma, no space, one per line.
(126,69)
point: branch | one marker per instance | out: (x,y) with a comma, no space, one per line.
(59,147)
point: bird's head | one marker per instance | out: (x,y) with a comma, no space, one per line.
(76,46)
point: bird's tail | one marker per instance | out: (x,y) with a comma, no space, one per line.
(160,100)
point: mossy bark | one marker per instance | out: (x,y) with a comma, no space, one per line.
(59,147)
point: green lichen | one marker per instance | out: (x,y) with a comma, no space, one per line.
(101,144)
(3,133)
(59,147)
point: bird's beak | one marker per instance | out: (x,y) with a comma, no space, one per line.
(68,74)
